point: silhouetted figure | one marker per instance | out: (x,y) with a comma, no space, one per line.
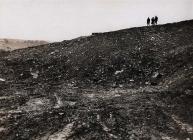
(148,21)
(152,21)
(156,20)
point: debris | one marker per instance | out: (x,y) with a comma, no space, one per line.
(156,75)
(2,80)
(34,73)
(63,134)
(118,72)
(117,85)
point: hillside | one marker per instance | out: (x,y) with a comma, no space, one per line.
(12,44)
(129,84)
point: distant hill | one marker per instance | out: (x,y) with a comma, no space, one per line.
(131,84)
(12,44)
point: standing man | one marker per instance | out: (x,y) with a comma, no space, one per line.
(156,20)
(152,21)
(148,21)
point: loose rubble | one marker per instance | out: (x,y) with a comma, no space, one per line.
(130,84)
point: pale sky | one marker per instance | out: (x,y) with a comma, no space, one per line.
(56,20)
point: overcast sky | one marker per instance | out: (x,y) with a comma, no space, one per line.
(56,20)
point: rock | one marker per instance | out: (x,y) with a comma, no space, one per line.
(35,74)
(2,80)
(156,75)
(119,71)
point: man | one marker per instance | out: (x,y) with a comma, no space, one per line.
(156,20)
(148,21)
(152,21)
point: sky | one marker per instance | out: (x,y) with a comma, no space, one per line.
(57,20)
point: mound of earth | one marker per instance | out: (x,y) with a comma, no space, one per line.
(129,84)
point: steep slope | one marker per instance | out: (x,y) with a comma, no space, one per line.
(130,84)
(123,56)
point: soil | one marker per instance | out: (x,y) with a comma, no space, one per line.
(132,84)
